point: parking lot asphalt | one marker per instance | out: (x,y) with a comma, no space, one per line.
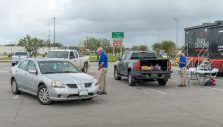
(145,105)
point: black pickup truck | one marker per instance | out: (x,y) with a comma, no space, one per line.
(139,65)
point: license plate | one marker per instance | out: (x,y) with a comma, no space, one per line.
(83,93)
(154,75)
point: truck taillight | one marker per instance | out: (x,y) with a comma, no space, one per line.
(138,66)
(169,66)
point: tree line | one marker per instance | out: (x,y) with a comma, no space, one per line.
(33,44)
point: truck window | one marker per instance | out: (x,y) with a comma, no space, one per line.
(76,54)
(143,55)
(123,57)
(72,55)
(57,54)
(128,56)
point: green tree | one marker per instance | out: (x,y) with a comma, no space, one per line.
(169,47)
(32,45)
(135,47)
(93,43)
(157,47)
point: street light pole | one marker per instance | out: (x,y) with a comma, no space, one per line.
(54,33)
(177,23)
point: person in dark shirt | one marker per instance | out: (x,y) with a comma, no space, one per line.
(103,68)
(182,64)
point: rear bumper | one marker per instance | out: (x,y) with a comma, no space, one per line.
(152,76)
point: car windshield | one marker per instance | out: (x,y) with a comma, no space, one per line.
(21,54)
(143,55)
(47,67)
(57,54)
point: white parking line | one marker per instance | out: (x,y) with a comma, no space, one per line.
(215,89)
(174,80)
(157,91)
(4,71)
(16,97)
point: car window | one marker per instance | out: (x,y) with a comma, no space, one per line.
(31,65)
(72,55)
(47,67)
(23,65)
(21,54)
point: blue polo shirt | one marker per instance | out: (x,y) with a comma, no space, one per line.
(103,58)
(184,60)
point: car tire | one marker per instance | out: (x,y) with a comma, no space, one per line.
(85,68)
(131,80)
(162,82)
(116,75)
(14,87)
(43,95)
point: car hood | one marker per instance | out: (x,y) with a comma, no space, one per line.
(70,78)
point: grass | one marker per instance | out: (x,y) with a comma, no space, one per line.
(111,58)
(5,58)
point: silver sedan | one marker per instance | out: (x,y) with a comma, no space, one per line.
(52,80)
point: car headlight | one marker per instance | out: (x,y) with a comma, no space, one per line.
(57,84)
(96,82)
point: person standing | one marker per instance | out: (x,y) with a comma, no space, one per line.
(103,68)
(182,65)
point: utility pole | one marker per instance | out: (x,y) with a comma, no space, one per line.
(54,33)
(49,40)
(177,23)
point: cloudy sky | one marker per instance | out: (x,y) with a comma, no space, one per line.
(142,21)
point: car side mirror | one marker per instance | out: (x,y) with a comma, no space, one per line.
(33,72)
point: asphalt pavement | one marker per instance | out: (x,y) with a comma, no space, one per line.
(145,105)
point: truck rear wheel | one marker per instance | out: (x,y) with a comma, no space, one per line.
(162,82)
(132,80)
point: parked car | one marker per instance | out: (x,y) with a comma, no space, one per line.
(145,66)
(80,62)
(18,56)
(52,80)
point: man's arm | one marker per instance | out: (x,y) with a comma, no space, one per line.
(100,66)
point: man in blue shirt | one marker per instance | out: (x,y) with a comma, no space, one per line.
(182,64)
(103,68)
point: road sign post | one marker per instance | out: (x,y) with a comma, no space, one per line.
(117,41)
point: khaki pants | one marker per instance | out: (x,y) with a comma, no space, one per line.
(183,75)
(102,79)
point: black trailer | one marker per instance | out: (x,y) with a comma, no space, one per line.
(196,37)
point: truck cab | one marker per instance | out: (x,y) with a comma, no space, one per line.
(73,56)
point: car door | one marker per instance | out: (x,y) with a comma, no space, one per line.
(72,59)
(79,63)
(21,74)
(32,79)
(120,65)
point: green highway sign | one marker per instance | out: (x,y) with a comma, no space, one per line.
(117,34)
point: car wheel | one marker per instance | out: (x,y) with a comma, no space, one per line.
(85,69)
(116,75)
(132,80)
(14,87)
(43,95)
(162,82)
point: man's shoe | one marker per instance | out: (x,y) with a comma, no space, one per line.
(100,93)
(104,92)
(180,85)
